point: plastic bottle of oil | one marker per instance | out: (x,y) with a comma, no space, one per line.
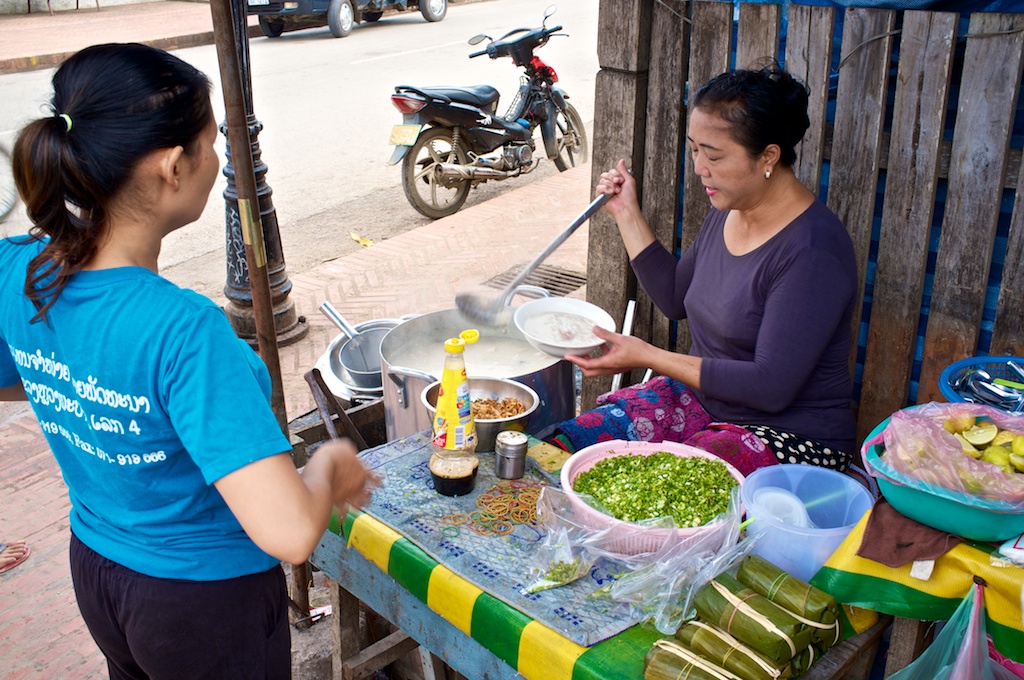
(454,463)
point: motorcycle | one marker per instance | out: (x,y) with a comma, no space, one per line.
(452,138)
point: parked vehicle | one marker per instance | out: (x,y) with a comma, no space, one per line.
(341,16)
(452,138)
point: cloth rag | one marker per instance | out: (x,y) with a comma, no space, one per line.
(895,540)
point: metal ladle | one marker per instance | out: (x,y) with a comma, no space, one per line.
(495,311)
(360,355)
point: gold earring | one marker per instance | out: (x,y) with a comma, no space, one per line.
(768,174)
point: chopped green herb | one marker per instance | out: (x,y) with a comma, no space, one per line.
(633,488)
(562,571)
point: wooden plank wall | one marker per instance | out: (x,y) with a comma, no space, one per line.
(655,53)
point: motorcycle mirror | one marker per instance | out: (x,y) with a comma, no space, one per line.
(549,11)
(477,39)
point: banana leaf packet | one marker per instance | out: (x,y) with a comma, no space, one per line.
(715,644)
(807,604)
(803,661)
(670,660)
(752,619)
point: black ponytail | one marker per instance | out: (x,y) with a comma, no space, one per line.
(112,104)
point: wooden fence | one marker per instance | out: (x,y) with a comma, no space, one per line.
(910,144)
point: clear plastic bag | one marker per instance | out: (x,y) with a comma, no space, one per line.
(918,446)
(960,650)
(658,586)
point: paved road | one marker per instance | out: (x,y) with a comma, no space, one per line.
(325,107)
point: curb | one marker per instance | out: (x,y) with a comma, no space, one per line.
(19,64)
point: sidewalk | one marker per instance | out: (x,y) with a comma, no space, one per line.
(41,632)
(38,40)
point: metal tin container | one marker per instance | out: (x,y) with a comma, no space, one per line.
(510,454)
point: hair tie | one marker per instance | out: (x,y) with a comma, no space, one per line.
(67,120)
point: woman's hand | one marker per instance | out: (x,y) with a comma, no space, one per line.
(351,483)
(619,353)
(619,185)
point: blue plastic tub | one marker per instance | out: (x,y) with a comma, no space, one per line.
(961,517)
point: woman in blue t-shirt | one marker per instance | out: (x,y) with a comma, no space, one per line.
(767,286)
(184,498)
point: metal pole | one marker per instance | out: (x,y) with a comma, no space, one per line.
(252,234)
(288,325)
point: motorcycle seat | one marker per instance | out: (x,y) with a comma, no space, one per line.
(481,96)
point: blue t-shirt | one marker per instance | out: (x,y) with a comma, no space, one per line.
(146,398)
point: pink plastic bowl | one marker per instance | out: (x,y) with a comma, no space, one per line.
(628,537)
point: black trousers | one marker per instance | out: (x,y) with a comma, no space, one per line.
(168,629)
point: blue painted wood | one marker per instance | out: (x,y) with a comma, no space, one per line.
(384,595)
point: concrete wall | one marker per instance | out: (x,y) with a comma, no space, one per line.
(39,6)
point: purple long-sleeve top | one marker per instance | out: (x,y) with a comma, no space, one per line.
(772,326)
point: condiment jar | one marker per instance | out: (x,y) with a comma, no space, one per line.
(510,454)
(453,464)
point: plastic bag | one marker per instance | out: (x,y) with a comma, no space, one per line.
(562,556)
(960,650)
(918,446)
(659,585)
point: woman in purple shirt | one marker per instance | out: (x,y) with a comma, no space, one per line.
(768,286)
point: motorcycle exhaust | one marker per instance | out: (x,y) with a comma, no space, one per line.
(455,171)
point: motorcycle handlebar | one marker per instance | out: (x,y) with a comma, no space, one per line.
(478,54)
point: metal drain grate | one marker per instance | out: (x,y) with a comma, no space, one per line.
(559,282)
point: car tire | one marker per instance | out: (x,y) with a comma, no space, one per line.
(340,18)
(271,28)
(433,10)
(372,16)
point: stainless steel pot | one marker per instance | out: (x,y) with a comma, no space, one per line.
(412,357)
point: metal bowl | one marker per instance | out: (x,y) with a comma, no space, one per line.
(490,388)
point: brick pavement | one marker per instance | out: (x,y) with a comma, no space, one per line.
(41,633)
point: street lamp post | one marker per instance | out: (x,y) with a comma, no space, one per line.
(288,325)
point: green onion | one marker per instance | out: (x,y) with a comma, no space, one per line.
(692,491)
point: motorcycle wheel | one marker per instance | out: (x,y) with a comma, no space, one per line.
(340,18)
(433,10)
(431,196)
(270,28)
(570,138)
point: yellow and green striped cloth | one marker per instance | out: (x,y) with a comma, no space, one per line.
(533,649)
(865,583)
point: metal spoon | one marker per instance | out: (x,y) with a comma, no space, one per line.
(495,311)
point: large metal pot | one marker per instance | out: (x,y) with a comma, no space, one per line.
(412,357)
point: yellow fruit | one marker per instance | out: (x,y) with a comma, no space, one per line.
(967,447)
(981,434)
(958,423)
(997,455)
(1018,445)
(1017,462)
(1003,438)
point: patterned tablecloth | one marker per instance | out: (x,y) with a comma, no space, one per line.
(489,538)
(461,581)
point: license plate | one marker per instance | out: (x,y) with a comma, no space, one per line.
(404,135)
(259,2)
